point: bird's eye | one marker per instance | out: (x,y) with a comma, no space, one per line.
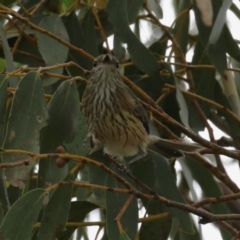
(95,63)
(117,64)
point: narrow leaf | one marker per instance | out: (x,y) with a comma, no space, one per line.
(51,50)
(77,213)
(117,10)
(183,107)
(63,117)
(56,213)
(154,5)
(169,190)
(13,80)
(27,116)
(219,22)
(18,223)
(114,204)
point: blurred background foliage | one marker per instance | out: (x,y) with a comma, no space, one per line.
(48,183)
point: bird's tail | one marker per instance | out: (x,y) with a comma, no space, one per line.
(171,148)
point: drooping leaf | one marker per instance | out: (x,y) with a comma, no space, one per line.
(13,80)
(27,116)
(154,5)
(63,117)
(201,78)
(114,204)
(58,52)
(217,51)
(3,95)
(158,229)
(77,213)
(182,25)
(231,45)
(98,176)
(56,212)
(79,145)
(211,189)
(74,29)
(51,50)
(117,10)
(169,190)
(89,33)
(219,22)
(18,222)
(183,113)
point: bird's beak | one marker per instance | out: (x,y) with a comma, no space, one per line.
(107,59)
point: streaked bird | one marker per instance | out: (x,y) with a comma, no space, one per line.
(117,121)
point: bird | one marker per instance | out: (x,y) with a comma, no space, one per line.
(117,121)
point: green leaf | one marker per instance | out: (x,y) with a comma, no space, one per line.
(51,50)
(195,236)
(77,213)
(4,200)
(28,53)
(78,145)
(3,95)
(231,45)
(124,236)
(216,52)
(221,99)
(98,176)
(114,204)
(18,223)
(13,80)
(14,193)
(56,212)
(159,47)
(181,27)
(154,6)
(169,190)
(208,185)
(151,86)
(1,215)
(89,33)
(145,172)
(7,2)
(219,22)
(183,113)
(234,8)
(27,116)
(74,29)
(158,229)
(201,78)
(133,8)
(118,50)
(117,10)
(174,229)
(63,118)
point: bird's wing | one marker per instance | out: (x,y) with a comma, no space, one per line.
(133,105)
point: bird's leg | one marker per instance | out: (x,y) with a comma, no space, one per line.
(140,155)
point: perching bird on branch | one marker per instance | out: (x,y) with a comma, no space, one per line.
(117,121)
